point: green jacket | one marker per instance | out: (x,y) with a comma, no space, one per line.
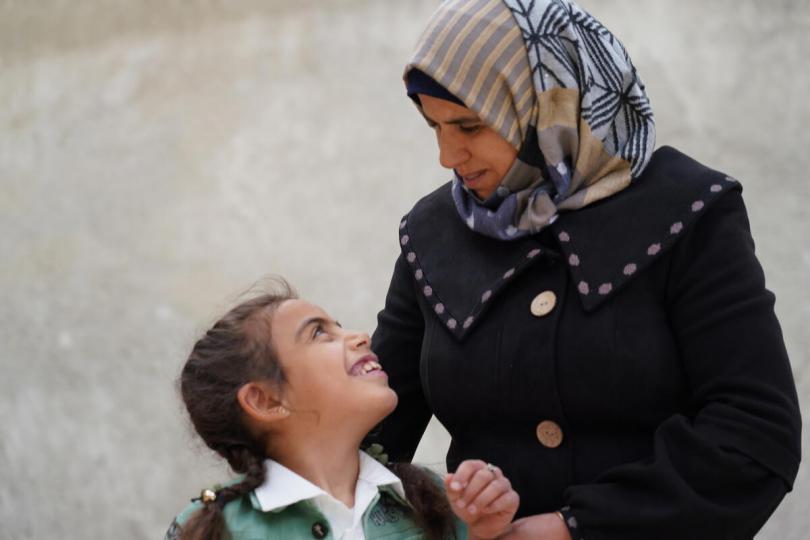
(388,517)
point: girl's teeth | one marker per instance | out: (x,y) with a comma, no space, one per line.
(368,367)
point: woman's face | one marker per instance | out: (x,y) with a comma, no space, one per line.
(329,370)
(477,153)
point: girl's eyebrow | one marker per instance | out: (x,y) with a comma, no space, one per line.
(307,323)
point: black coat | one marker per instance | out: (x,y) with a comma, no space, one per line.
(660,364)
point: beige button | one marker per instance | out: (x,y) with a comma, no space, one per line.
(543,303)
(549,434)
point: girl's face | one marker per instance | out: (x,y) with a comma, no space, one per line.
(476,152)
(329,370)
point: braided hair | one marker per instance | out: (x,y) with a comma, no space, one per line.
(235,351)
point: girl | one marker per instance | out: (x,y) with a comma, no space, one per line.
(286,395)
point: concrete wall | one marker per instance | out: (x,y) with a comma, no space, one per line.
(156,158)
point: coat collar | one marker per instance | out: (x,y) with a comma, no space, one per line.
(604,246)
(283,487)
(607,244)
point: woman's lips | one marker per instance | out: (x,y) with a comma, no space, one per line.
(472,177)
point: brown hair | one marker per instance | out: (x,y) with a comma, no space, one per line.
(235,351)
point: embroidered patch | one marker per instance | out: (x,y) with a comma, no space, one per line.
(385,513)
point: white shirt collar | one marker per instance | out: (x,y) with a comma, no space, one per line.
(283,487)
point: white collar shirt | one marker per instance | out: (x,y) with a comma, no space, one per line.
(283,487)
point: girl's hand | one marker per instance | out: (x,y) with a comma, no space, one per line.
(539,527)
(483,498)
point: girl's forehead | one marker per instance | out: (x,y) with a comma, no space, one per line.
(292,315)
(298,307)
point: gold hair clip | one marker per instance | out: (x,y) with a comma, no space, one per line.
(206,496)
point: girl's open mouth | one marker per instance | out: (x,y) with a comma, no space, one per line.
(364,366)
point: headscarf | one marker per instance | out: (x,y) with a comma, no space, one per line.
(556,84)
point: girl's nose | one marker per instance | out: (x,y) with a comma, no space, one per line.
(358,340)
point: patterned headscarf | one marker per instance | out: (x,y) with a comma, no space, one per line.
(556,84)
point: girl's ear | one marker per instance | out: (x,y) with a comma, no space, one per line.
(260,402)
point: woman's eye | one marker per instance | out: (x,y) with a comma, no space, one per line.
(470,129)
(319,331)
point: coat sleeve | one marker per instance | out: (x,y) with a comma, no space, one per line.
(720,470)
(397,342)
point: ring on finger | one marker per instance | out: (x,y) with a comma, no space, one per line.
(492,468)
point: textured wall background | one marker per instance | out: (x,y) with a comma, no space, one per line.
(156,158)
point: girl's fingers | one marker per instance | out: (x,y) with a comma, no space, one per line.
(494,489)
(465,472)
(479,482)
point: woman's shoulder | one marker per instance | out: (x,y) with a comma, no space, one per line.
(671,169)
(438,202)
(608,243)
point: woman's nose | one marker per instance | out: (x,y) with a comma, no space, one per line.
(452,151)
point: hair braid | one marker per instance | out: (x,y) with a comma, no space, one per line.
(252,464)
(235,351)
(431,510)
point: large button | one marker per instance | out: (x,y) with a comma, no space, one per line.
(543,303)
(549,434)
(319,530)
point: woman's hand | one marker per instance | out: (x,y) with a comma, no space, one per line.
(539,527)
(483,498)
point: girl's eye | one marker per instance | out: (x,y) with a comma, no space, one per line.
(470,129)
(319,331)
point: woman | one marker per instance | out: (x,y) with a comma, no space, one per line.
(282,392)
(575,307)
